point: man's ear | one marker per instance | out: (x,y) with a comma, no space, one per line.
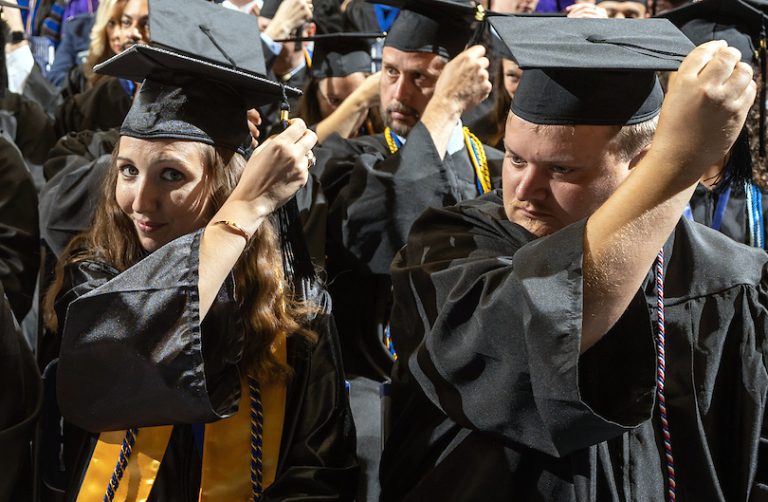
(637,158)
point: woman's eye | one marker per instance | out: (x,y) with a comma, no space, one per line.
(171,175)
(128,170)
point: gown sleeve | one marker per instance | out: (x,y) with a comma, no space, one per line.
(760,316)
(134,352)
(317,460)
(375,210)
(482,309)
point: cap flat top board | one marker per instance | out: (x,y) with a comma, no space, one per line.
(209,32)
(144,61)
(592,44)
(735,21)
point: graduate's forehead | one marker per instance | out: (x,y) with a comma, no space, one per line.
(141,149)
(412,61)
(557,143)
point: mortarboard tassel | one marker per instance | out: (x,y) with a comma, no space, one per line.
(738,168)
(297,263)
(5,31)
(477,36)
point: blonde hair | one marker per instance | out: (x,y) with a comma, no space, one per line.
(264,296)
(99,49)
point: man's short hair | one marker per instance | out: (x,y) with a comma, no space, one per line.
(631,139)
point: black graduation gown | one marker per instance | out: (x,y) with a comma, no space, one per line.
(375,197)
(135,354)
(100,108)
(19,234)
(492,400)
(735,222)
(20,401)
(75,171)
(33,133)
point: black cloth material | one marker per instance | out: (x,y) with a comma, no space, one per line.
(100,108)
(578,98)
(493,401)
(374,198)
(738,22)
(207,33)
(20,402)
(181,371)
(202,58)
(184,112)
(34,128)
(75,172)
(735,221)
(443,30)
(19,233)
(589,71)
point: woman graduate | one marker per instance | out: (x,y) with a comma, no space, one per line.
(187,367)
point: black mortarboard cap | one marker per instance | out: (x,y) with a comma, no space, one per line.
(340,54)
(590,71)
(203,58)
(735,21)
(441,27)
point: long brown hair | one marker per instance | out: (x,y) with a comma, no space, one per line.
(759,164)
(264,297)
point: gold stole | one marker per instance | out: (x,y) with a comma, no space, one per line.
(226,472)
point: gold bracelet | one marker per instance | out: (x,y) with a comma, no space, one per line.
(235,228)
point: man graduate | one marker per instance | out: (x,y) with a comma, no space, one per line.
(539,358)
(377,185)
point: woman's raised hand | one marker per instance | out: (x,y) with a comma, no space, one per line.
(277,170)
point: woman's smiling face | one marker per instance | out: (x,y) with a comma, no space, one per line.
(162,187)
